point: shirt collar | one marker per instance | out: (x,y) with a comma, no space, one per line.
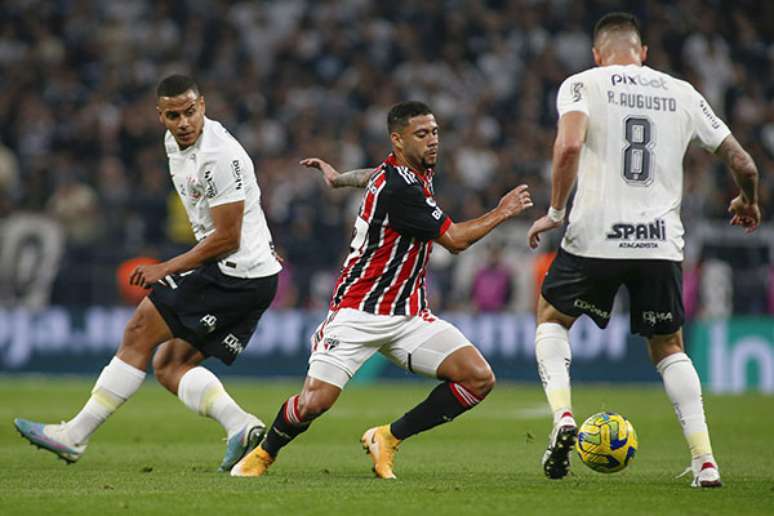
(424,177)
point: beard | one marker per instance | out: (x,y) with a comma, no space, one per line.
(429,162)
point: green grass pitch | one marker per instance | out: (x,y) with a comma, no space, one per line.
(156,457)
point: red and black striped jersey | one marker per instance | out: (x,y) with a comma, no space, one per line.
(396,224)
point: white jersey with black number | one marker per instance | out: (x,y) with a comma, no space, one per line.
(630,176)
(216,170)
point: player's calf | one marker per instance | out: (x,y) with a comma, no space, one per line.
(447,401)
(470,380)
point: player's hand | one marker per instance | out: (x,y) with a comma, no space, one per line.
(744,214)
(541,225)
(515,201)
(329,173)
(146,275)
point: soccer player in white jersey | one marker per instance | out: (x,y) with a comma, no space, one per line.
(623,131)
(204,302)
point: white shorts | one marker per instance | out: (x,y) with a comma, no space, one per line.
(348,337)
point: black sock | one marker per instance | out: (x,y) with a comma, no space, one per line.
(286,427)
(447,401)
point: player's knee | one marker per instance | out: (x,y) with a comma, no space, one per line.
(481,379)
(486,382)
(164,371)
(661,346)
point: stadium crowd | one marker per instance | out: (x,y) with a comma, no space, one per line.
(81,140)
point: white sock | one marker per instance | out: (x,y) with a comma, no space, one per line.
(116,384)
(202,392)
(552,350)
(684,389)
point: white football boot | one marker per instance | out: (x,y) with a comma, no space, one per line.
(705,473)
(53,438)
(556,459)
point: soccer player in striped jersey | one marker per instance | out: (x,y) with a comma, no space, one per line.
(380,303)
(623,131)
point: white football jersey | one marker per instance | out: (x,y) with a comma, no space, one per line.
(216,170)
(630,176)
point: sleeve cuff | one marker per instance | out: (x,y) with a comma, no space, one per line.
(714,146)
(572,108)
(220,201)
(445,226)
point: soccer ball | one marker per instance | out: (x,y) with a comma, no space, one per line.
(606,442)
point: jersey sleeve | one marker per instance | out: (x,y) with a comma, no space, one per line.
(223,181)
(573,95)
(411,213)
(707,127)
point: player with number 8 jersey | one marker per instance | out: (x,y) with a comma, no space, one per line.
(623,132)
(630,173)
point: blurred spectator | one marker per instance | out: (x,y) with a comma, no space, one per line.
(75,205)
(299,78)
(9,180)
(493,284)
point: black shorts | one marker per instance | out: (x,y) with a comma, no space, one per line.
(214,312)
(576,285)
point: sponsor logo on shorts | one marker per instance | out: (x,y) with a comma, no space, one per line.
(652,318)
(330,343)
(208,322)
(638,236)
(591,308)
(233,344)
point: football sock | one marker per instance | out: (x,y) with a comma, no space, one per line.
(116,384)
(447,401)
(202,392)
(552,351)
(684,389)
(286,427)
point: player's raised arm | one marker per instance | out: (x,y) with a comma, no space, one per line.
(564,169)
(357,178)
(744,208)
(460,236)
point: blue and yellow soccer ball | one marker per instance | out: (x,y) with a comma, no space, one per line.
(606,442)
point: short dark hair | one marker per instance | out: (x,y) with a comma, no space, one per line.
(175,85)
(401,113)
(616,22)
